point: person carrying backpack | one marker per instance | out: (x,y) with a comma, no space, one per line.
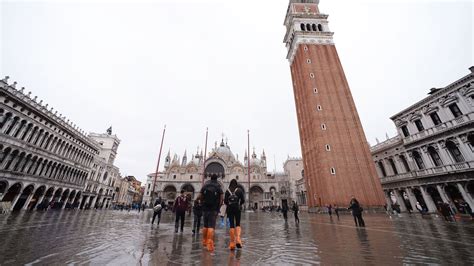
(180,207)
(157,208)
(234,199)
(212,197)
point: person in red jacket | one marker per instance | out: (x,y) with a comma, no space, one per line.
(179,208)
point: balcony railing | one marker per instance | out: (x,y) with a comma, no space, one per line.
(440,128)
(429,172)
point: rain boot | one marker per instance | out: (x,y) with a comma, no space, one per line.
(238,241)
(232,239)
(210,239)
(204,236)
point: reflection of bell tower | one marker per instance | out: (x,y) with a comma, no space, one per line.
(336,156)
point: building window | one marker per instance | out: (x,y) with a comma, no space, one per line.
(319,107)
(302,27)
(191,177)
(320,28)
(237,177)
(455,110)
(419,125)
(323,126)
(454,151)
(311,75)
(328,148)
(392,164)
(308,61)
(315,90)
(418,160)
(405,131)
(435,118)
(308,27)
(305,48)
(434,156)
(333,171)
(174,176)
(314,27)
(382,169)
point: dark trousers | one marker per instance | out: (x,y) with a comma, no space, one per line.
(285,215)
(297,219)
(197,223)
(179,216)
(210,219)
(234,218)
(154,216)
(358,220)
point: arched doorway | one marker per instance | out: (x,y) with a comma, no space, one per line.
(419,198)
(256,196)
(64,197)
(455,195)
(43,205)
(23,197)
(36,197)
(56,198)
(77,199)
(71,197)
(12,193)
(188,190)
(434,195)
(169,194)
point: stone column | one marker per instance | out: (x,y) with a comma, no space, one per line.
(7,124)
(428,200)
(27,202)
(411,198)
(84,198)
(443,194)
(466,196)
(400,200)
(426,158)
(465,151)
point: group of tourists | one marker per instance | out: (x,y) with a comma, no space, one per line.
(207,206)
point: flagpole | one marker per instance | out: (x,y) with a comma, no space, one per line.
(248,163)
(157,168)
(204,159)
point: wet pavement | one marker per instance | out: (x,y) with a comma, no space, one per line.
(126,238)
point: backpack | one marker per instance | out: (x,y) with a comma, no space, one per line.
(181,203)
(211,195)
(234,200)
(157,208)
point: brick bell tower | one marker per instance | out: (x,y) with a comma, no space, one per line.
(336,156)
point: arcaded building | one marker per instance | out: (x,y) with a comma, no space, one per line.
(336,156)
(431,160)
(46,159)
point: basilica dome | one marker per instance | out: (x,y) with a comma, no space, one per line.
(224,152)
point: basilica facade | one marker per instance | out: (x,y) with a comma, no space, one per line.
(190,172)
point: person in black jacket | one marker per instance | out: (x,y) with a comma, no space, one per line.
(356,212)
(157,208)
(197,210)
(296,209)
(234,199)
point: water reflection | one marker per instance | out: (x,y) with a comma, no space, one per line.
(114,237)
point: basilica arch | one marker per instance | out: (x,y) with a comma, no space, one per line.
(256,196)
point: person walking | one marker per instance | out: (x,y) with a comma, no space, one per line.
(212,198)
(180,206)
(330,210)
(197,210)
(157,208)
(296,210)
(234,199)
(419,208)
(336,211)
(356,212)
(284,210)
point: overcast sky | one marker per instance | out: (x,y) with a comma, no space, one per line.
(221,64)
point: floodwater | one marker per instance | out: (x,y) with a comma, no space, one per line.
(127,238)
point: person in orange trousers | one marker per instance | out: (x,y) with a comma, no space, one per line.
(234,199)
(212,197)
